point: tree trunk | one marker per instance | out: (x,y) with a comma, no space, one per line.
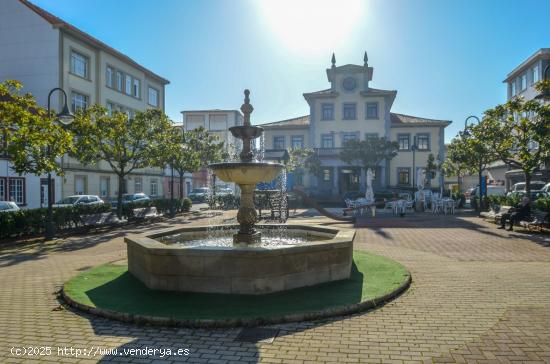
(181,184)
(527,184)
(172,207)
(119,197)
(479,207)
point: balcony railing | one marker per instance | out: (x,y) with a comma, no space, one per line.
(327,152)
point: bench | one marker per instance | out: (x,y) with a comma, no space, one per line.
(106,218)
(538,221)
(145,213)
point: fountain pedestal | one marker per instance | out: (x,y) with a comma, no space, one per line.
(247,218)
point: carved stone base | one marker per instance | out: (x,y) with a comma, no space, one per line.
(247,238)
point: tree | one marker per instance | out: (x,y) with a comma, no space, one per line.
(431,168)
(125,144)
(193,149)
(32,138)
(370,153)
(472,151)
(520,135)
(303,159)
(453,166)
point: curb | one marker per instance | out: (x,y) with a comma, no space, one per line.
(230,323)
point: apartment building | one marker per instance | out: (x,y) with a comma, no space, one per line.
(352,109)
(43,52)
(522,79)
(217,122)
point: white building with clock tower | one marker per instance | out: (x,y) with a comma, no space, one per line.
(351,109)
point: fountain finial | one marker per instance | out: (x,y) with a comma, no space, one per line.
(333,60)
(246,108)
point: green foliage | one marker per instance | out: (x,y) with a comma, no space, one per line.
(304,159)
(460,197)
(30,222)
(543,204)
(513,127)
(431,168)
(370,152)
(125,144)
(33,139)
(224,202)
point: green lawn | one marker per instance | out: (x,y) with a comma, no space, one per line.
(113,287)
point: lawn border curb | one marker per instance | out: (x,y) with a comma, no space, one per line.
(231,323)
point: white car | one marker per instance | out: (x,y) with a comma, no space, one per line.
(78,200)
(8,206)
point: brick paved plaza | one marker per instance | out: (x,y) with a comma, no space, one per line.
(478,295)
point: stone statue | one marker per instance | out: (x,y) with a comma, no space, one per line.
(369,194)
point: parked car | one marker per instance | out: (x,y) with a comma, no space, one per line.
(79,200)
(135,197)
(199,194)
(536,186)
(222,191)
(8,206)
(491,191)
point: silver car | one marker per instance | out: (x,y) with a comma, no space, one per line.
(79,200)
(8,206)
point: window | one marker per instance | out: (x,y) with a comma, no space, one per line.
(109,73)
(523,81)
(128,84)
(104,190)
(371,136)
(79,64)
(17,190)
(403,176)
(297,141)
(327,111)
(78,101)
(2,189)
(137,88)
(404,141)
(513,88)
(119,77)
(350,112)
(110,108)
(372,110)
(80,185)
(423,141)
(153,97)
(326,174)
(327,141)
(348,136)
(154,187)
(279,142)
(138,185)
(535,74)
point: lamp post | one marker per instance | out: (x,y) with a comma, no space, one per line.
(466,133)
(65,117)
(414,147)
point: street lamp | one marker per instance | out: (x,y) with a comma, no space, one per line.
(65,117)
(467,133)
(466,123)
(414,147)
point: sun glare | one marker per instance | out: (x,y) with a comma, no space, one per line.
(312,26)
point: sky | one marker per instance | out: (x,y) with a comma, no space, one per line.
(447,59)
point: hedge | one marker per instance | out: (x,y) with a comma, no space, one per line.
(31,222)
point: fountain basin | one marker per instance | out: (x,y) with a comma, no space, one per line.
(246,173)
(241,270)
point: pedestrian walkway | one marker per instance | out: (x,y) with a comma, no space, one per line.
(478,295)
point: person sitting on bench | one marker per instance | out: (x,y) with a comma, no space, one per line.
(515,215)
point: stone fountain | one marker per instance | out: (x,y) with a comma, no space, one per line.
(192,259)
(247,174)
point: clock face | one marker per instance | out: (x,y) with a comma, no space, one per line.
(349,83)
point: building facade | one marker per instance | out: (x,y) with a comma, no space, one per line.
(522,79)
(217,122)
(43,52)
(352,109)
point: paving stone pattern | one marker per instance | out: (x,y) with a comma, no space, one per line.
(479,295)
